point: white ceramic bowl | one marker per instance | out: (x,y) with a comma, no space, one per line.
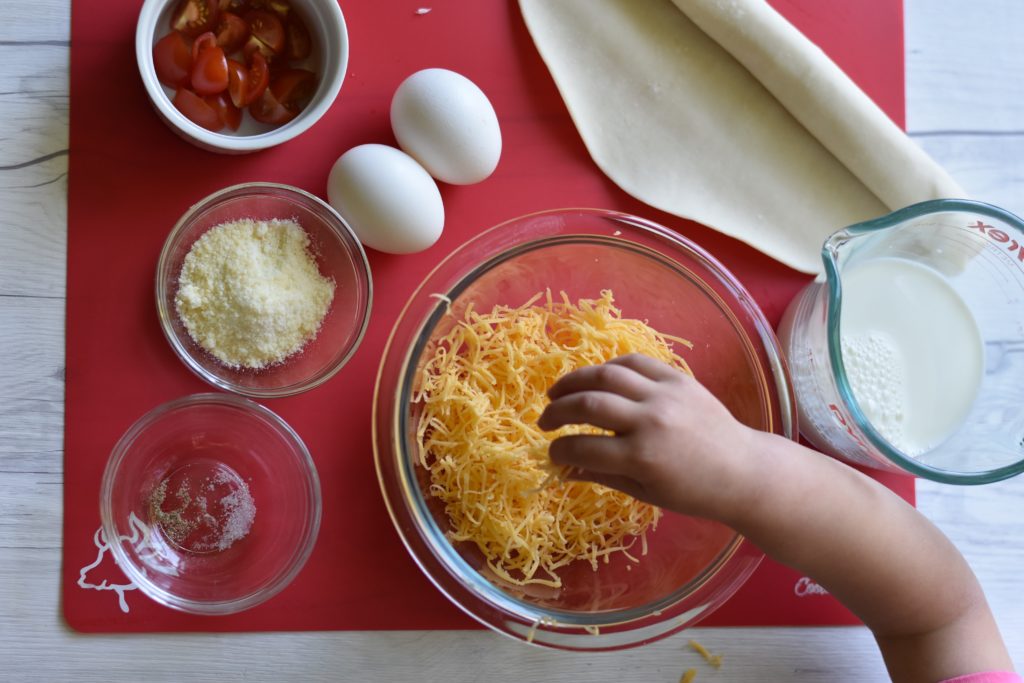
(329,61)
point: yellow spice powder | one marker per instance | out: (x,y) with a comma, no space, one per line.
(250,292)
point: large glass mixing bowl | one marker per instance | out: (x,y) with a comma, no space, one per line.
(692,565)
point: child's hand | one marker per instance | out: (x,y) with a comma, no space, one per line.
(677,447)
(675,444)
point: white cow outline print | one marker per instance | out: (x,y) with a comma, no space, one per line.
(141,541)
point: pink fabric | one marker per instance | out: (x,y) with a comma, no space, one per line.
(988,677)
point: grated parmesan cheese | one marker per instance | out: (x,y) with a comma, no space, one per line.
(480,394)
(250,292)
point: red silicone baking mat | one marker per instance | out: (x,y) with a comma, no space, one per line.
(131,178)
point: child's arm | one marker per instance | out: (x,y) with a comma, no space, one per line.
(677,447)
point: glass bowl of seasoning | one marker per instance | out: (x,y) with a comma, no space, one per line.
(263,290)
(210,504)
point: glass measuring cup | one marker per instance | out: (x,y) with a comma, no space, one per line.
(933,332)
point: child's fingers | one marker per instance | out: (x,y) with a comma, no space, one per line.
(616,379)
(612,481)
(651,368)
(597,408)
(591,454)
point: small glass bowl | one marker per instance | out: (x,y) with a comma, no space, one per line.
(339,256)
(215,503)
(692,565)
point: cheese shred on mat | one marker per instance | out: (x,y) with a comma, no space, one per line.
(250,292)
(713,660)
(480,393)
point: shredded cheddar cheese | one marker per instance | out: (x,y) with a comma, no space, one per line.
(713,660)
(543,621)
(688,676)
(479,395)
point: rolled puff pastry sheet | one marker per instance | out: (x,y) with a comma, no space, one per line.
(724,113)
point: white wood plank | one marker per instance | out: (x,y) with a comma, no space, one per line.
(986,525)
(750,654)
(964,74)
(34,95)
(47,23)
(31,392)
(964,65)
(33,169)
(33,342)
(965,93)
(30,510)
(989,167)
(32,237)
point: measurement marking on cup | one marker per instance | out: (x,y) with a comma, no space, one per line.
(998,236)
(849,428)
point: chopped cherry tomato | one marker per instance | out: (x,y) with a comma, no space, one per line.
(211,89)
(278,7)
(193,17)
(172,59)
(294,88)
(232,32)
(197,110)
(247,84)
(267,109)
(209,70)
(289,92)
(266,33)
(238,82)
(298,45)
(259,77)
(229,114)
(207,40)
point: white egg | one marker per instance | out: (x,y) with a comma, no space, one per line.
(387,198)
(445,122)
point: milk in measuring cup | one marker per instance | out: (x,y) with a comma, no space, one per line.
(911,349)
(907,352)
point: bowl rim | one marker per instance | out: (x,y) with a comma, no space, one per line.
(145,34)
(162,284)
(402,497)
(119,455)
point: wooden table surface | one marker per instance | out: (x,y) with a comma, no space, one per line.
(965,101)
